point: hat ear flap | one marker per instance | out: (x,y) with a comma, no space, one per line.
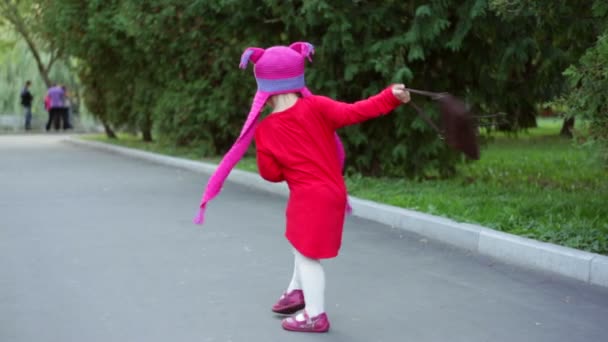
(251,54)
(304,49)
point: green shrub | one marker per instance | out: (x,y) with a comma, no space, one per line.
(588,97)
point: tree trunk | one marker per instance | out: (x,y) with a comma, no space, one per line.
(519,118)
(527,119)
(567,127)
(15,18)
(109,132)
(147,135)
(146,127)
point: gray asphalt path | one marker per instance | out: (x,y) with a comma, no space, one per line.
(99,247)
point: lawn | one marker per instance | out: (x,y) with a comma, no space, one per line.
(535,184)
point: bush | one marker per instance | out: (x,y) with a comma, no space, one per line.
(588,98)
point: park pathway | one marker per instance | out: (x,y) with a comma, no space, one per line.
(100,247)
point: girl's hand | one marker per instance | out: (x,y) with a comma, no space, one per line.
(401,93)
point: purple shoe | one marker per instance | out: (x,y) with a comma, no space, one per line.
(317,324)
(290,303)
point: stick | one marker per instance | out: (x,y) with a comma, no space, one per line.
(426,93)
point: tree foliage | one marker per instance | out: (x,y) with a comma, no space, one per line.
(171,66)
(23,16)
(588,95)
(17,64)
(585,34)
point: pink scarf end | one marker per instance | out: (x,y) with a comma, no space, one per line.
(200,217)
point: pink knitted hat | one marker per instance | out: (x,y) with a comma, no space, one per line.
(277,70)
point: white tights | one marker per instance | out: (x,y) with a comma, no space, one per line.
(308,275)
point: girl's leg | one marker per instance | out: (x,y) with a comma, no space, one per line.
(295,279)
(312,278)
(293,299)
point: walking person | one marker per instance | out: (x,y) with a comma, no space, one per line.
(297,143)
(47,108)
(26,102)
(65,112)
(56,96)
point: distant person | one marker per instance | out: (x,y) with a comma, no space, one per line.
(47,104)
(65,112)
(26,102)
(56,96)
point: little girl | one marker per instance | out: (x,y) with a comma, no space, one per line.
(298,144)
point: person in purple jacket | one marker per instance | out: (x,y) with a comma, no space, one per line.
(56,96)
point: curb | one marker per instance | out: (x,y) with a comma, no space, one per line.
(588,267)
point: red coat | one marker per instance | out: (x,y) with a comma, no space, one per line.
(297,146)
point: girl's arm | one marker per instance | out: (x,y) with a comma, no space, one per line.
(340,114)
(268,166)
(269,169)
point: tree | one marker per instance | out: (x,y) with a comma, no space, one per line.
(21,15)
(588,93)
(109,65)
(558,45)
(169,66)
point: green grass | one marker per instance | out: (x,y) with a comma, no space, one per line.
(535,184)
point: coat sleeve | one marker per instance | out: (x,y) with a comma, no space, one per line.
(268,166)
(270,170)
(340,114)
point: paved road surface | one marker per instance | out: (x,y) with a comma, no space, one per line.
(99,247)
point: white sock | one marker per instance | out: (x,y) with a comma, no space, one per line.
(295,279)
(312,278)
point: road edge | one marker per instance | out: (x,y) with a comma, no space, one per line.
(588,267)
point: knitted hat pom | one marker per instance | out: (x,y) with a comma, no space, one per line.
(305,49)
(252,54)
